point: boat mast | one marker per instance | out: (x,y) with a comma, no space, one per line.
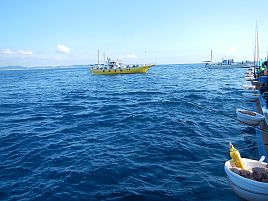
(98,57)
(258,53)
(210,55)
(256,49)
(254,62)
(266,66)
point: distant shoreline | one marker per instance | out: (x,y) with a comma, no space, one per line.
(67,66)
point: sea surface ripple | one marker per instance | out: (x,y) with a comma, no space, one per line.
(69,135)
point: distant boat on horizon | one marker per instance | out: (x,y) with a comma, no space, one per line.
(227,63)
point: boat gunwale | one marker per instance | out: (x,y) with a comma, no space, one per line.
(227,166)
(257,115)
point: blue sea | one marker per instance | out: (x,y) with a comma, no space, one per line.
(66,134)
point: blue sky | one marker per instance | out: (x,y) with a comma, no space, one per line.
(66,32)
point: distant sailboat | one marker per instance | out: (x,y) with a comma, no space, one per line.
(225,63)
(208,62)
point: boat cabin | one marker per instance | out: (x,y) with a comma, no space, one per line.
(227,62)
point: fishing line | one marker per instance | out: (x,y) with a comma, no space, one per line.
(252,147)
(255,146)
(202,106)
(217,112)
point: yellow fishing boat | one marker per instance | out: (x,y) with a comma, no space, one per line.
(117,67)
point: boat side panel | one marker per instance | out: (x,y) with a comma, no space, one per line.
(142,69)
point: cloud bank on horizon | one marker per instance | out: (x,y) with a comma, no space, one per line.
(9,52)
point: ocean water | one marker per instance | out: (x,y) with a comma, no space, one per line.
(66,134)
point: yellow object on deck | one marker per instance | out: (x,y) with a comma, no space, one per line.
(237,160)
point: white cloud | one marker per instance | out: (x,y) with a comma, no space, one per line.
(131,56)
(7,51)
(25,52)
(63,49)
(16,52)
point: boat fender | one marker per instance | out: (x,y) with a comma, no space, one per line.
(235,155)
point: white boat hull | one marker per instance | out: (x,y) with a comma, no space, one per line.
(249,78)
(249,119)
(246,188)
(249,87)
(220,66)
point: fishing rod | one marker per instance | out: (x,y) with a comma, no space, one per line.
(252,147)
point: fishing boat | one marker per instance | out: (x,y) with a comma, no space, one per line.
(117,67)
(246,188)
(226,63)
(248,117)
(251,97)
